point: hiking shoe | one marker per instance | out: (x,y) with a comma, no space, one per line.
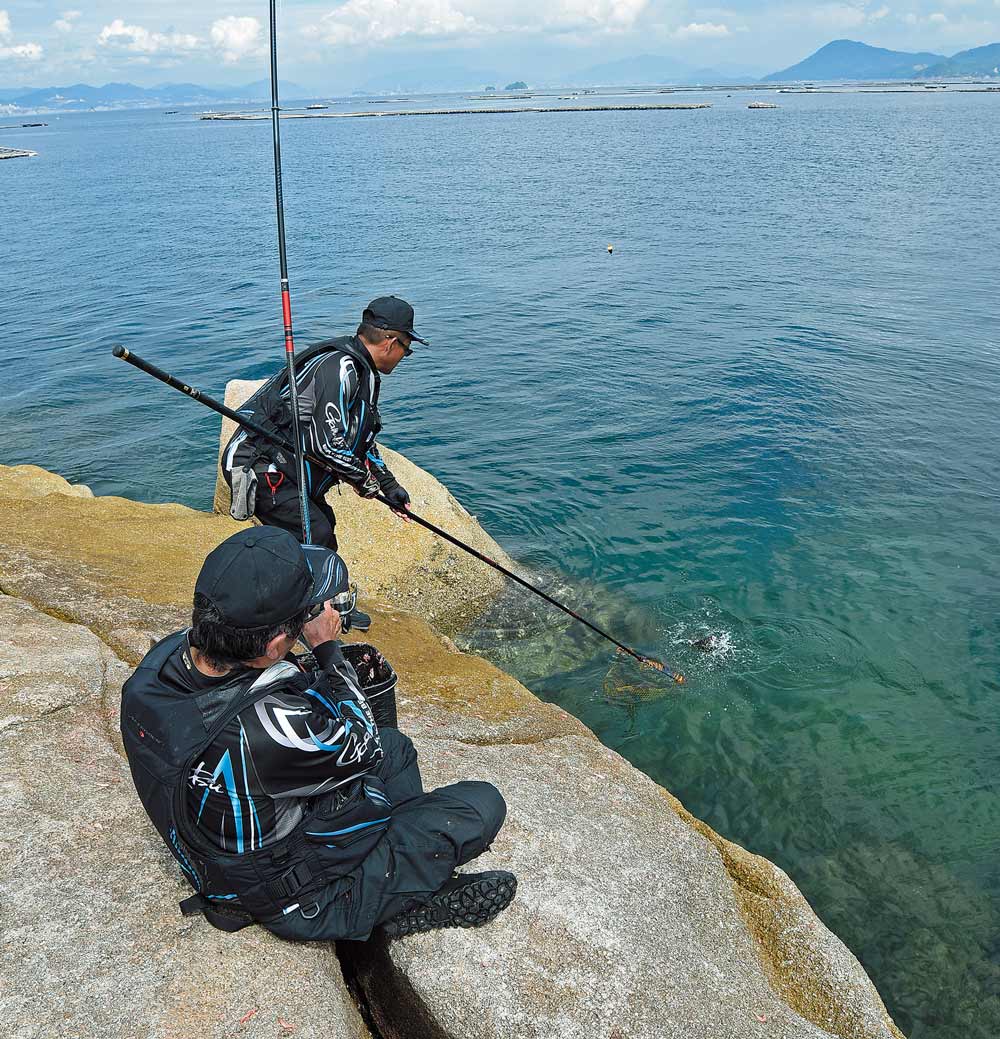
(466,900)
(360,621)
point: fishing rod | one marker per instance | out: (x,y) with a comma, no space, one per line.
(279,441)
(286,299)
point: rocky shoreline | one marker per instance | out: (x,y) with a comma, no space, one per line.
(633,919)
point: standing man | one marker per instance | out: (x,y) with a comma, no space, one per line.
(338,384)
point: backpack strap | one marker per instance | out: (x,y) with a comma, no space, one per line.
(221,916)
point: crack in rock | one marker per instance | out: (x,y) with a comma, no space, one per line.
(387,1001)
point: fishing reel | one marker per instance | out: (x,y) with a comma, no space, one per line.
(343,602)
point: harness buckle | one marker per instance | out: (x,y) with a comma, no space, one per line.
(291,881)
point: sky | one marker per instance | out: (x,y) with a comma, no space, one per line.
(330,46)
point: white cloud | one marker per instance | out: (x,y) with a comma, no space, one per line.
(597,14)
(64,23)
(839,16)
(21,51)
(139,40)
(375,21)
(935,20)
(702,30)
(877,16)
(24,51)
(237,38)
(378,21)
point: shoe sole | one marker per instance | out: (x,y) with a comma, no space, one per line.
(473,905)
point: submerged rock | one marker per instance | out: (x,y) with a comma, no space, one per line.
(633,919)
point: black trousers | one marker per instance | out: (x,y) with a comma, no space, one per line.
(280,508)
(430,835)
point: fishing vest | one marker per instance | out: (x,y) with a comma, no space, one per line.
(166,728)
(271,410)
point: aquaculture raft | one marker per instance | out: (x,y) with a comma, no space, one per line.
(16,153)
(257,116)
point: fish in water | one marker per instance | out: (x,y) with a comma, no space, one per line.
(707,644)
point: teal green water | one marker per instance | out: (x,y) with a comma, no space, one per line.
(770,415)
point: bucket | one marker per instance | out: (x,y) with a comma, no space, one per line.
(378,680)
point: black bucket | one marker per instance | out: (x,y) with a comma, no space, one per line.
(376,675)
(378,680)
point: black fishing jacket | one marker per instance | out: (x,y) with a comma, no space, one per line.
(283,757)
(338,388)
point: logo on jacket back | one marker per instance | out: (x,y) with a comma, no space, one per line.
(202,777)
(276,718)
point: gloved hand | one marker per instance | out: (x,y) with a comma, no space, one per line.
(368,488)
(396,496)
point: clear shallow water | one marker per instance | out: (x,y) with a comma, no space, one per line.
(772,414)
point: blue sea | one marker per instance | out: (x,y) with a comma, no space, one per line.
(769,415)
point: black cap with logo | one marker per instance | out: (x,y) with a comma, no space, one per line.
(393,314)
(262,576)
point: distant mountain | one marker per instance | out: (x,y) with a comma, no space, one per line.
(722,77)
(81,96)
(980,61)
(261,91)
(644,68)
(655,70)
(430,78)
(848,59)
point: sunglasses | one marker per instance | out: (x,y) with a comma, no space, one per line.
(407,350)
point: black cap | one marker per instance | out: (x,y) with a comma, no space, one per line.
(393,314)
(262,576)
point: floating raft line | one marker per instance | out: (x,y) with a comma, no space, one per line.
(15,153)
(247,117)
(887,90)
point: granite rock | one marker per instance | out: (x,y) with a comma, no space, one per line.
(31,481)
(633,919)
(93,945)
(629,920)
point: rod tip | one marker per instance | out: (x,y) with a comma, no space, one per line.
(119,351)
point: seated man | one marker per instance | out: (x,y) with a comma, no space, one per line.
(273,786)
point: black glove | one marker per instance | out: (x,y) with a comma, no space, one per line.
(368,488)
(396,496)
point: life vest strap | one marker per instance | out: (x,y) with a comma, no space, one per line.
(290,882)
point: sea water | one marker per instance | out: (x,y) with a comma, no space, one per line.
(770,415)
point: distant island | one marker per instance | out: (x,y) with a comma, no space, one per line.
(837,61)
(852,60)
